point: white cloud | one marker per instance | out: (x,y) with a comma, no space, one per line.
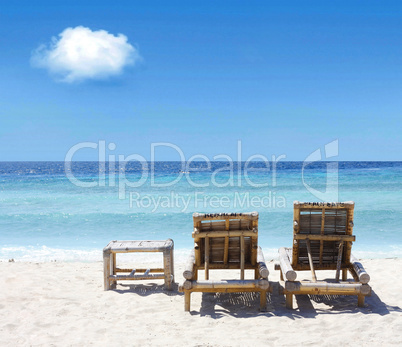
(81,54)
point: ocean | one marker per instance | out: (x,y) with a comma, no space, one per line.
(52,211)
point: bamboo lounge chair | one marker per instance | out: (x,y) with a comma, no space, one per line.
(226,241)
(322,240)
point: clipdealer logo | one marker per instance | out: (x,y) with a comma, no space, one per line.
(142,188)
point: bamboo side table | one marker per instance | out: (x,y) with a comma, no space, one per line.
(111,271)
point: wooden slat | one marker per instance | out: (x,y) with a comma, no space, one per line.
(327,205)
(313,237)
(223,233)
(321,250)
(223,216)
(328,266)
(322,233)
(228,266)
(138,246)
(242,250)
(339,261)
(321,288)
(323,221)
(310,260)
(139,270)
(137,277)
(227,285)
(226,250)
(207,258)
(222,225)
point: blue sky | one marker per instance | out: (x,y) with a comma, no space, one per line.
(283,77)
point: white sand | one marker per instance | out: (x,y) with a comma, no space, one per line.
(63,304)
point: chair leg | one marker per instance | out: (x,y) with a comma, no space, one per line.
(187,297)
(360,300)
(344,274)
(263,301)
(289,301)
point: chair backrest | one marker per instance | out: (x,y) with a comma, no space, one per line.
(225,240)
(325,228)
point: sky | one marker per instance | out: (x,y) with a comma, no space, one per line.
(206,77)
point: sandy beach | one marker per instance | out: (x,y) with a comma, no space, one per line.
(64,304)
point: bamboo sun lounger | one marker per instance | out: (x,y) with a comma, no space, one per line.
(226,241)
(322,240)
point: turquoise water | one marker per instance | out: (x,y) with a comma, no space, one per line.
(45,215)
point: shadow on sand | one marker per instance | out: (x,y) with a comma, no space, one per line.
(147,289)
(243,305)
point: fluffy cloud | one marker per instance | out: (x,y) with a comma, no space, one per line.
(80,53)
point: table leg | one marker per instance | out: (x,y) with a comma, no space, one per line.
(106,269)
(113,269)
(168,267)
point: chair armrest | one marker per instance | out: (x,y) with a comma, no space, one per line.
(286,267)
(262,267)
(188,273)
(361,273)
